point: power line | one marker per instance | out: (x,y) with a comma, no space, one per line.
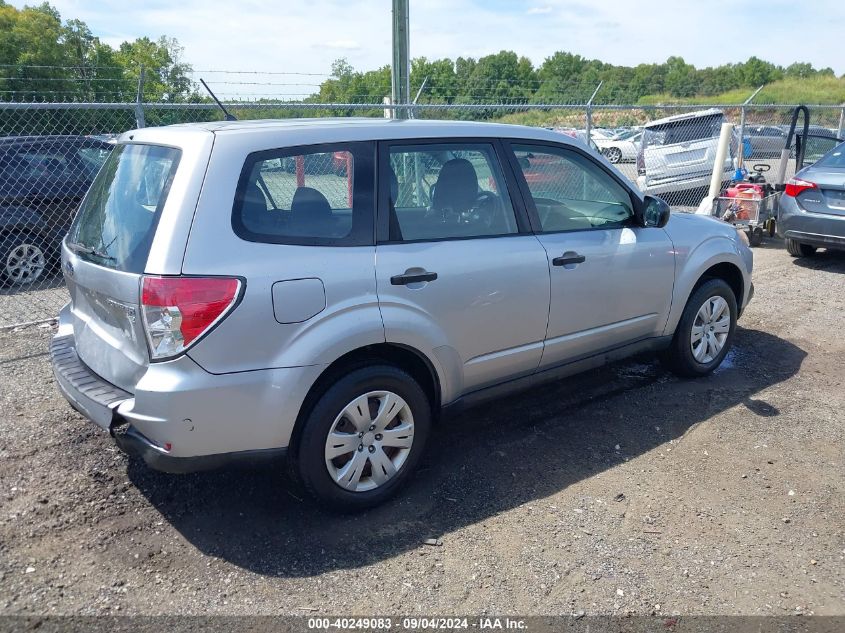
(58,67)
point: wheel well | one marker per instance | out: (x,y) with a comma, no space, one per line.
(730,274)
(406,358)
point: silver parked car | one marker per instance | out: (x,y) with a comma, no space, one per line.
(225,309)
(622,147)
(811,213)
(677,154)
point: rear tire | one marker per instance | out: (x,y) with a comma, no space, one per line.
(363,438)
(755,237)
(703,339)
(797,249)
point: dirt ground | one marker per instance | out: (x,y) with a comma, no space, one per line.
(625,490)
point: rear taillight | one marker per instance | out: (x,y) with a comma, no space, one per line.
(179,310)
(796,186)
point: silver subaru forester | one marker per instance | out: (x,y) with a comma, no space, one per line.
(326,288)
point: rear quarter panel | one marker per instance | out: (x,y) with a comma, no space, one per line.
(251,337)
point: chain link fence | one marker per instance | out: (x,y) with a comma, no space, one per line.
(50,153)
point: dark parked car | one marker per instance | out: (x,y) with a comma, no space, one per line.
(42,182)
(767,141)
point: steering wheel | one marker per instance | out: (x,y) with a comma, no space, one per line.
(484,209)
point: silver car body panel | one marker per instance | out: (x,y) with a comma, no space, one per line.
(196,413)
(603,303)
(701,242)
(104,307)
(489,304)
(485,320)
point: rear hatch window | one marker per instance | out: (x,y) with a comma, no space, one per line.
(684,131)
(835,159)
(117,220)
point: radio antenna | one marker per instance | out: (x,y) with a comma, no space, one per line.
(226,115)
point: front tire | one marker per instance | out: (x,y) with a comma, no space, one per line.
(705,332)
(614,154)
(797,249)
(363,438)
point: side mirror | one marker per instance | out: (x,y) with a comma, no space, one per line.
(653,213)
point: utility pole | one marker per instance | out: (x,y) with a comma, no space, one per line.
(400,70)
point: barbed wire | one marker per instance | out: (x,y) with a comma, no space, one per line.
(262,72)
(18,84)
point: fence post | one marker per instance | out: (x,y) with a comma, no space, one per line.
(588,124)
(741,159)
(139,97)
(589,117)
(842,121)
(413,112)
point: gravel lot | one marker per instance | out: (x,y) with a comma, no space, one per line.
(624,490)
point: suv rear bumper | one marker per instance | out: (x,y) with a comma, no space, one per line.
(86,392)
(657,186)
(182,419)
(132,442)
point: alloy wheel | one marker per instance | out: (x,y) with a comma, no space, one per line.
(25,263)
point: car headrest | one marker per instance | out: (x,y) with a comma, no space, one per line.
(457,186)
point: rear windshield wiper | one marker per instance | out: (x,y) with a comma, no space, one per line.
(90,250)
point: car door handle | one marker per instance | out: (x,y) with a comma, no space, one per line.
(568,259)
(412,278)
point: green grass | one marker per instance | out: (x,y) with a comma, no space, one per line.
(546,118)
(812,91)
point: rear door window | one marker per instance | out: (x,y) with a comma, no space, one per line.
(32,163)
(117,220)
(447,191)
(318,195)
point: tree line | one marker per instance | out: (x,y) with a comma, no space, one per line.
(564,77)
(43,58)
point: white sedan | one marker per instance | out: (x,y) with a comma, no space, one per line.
(623,147)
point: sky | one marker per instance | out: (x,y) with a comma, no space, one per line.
(293,36)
